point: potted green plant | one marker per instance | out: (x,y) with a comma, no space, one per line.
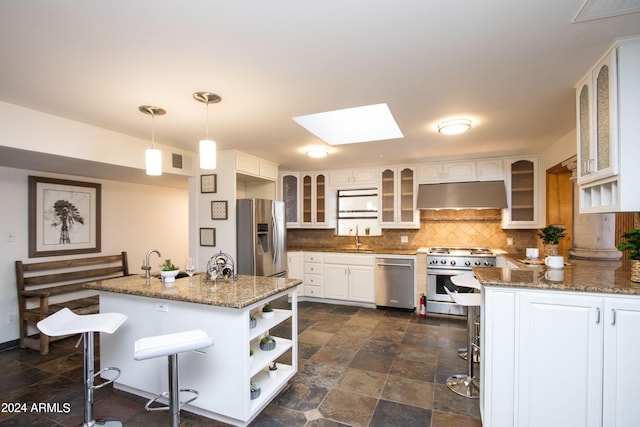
(273,370)
(267,343)
(252,321)
(255,390)
(633,247)
(267,311)
(168,271)
(551,236)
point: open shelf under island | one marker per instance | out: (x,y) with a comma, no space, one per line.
(223,373)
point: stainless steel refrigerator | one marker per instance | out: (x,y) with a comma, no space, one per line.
(261,234)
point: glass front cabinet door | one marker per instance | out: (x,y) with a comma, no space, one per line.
(596,116)
(314,206)
(397,198)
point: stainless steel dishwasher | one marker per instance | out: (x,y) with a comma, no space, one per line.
(395,282)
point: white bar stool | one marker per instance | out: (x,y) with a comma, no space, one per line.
(170,345)
(469,281)
(465,384)
(66,322)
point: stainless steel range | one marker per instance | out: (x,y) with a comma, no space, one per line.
(442,263)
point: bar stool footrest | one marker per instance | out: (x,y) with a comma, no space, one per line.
(166,395)
(97,374)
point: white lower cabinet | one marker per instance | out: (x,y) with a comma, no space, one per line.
(295,265)
(621,373)
(553,358)
(559,366)
(349,277)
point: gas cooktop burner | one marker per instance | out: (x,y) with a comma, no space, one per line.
(460,251)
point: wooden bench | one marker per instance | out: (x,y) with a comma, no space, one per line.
(60,280)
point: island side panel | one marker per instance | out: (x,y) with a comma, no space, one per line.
(220,374)
(497,364)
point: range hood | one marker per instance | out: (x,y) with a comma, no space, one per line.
(463,195)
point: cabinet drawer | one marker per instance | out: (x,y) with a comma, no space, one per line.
(313,269)
(313,280)
(313,291)
(312,257)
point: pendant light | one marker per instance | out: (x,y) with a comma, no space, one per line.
(207,146)
(153,156)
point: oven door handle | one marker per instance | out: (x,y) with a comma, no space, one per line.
(448,272)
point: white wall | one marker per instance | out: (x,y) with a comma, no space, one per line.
(225,229)
(559,151)
(135,219)
(31,130)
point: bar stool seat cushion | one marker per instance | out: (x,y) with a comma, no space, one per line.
(166,345)
(66,322)
(470,299)
(466,281)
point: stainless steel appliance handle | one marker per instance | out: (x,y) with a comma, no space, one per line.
(388,264)
(446,272)
(274,236)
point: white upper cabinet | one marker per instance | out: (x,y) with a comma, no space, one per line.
(397,205)
(290,194)
(255,166)
(607,112)
(353,178)
(305,199)
(460,171)
(490,169)
(315,209)
(523,194)
(596,127)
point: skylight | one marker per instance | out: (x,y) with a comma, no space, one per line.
(352,125)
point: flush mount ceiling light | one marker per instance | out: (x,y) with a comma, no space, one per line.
(207,146)
(454,127)
(316,152)
(153,156)
(352,125)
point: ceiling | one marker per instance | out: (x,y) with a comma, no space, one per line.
(509,66)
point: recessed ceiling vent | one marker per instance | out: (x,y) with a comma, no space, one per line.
(176,161)
(597,9)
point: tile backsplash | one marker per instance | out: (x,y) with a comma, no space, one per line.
(468,228)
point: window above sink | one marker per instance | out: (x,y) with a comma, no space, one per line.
(358,210)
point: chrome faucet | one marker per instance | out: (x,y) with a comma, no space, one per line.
(358,244)
(146,266)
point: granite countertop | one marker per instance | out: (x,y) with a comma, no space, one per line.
(233,294)
(351,250)
(577,275)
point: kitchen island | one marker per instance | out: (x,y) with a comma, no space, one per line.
(223,374)
(559,346)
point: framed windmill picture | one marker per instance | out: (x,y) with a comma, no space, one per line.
(64,217)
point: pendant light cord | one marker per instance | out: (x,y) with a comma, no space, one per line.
(207,120)
(153,130)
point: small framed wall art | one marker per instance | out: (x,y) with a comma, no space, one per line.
(209,183)
(207,237)
(219,209)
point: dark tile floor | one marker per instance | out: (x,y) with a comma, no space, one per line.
(357,367)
